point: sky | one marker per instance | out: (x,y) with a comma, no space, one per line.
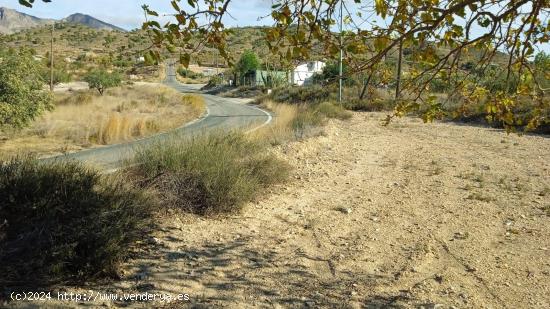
(129,15)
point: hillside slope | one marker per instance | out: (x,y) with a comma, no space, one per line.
(12,21)
(91,22)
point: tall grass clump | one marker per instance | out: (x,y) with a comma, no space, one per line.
(209,174)
(333,110)
(63,223)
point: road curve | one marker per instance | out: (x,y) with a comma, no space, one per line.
(222,114)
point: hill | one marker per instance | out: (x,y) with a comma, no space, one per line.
(91,22)
(12,21)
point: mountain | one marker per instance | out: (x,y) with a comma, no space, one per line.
(91,22)
(12,21)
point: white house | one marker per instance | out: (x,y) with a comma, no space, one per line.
(302,74)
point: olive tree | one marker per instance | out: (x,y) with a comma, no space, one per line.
(102,80)
(22,93)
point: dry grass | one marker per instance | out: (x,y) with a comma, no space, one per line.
(85,119)
(296,121)
(211,174)
(280,130)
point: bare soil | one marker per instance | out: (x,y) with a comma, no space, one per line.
(409,215)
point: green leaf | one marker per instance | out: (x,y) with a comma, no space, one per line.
(176,6)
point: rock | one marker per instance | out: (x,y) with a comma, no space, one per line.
(345,210)
(154,241)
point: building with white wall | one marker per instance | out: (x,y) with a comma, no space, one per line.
(302,74)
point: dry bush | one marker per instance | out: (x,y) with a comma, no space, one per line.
(83,119)
(210,174)
(294,121)
(64,222)
(280,129)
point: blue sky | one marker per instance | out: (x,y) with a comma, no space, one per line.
(128,14)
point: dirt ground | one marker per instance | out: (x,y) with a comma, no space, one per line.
(410,215)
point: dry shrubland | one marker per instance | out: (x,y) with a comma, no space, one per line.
(295,121)
(84,119)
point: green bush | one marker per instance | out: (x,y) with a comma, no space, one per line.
(211,174)
(62,222)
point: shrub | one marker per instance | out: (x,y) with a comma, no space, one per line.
(183,72)
(80,97)
(305,120)
(211,174)
(59,76)
(332,110)
(214,81)
(62,222)
(304,94)
(374,105)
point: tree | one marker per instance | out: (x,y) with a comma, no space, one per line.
(441,34)
(542,70)
(247,64)
(22,94)
(102,80)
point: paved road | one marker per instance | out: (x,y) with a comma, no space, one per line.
(222,114)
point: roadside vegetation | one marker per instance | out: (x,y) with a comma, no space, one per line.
(65,223)
(84,119)
(62,222)
(189,76)
(208,174)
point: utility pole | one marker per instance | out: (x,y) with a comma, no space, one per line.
(51,59)
(341,52)
(399,69)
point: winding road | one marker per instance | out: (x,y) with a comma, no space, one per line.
(221,114)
